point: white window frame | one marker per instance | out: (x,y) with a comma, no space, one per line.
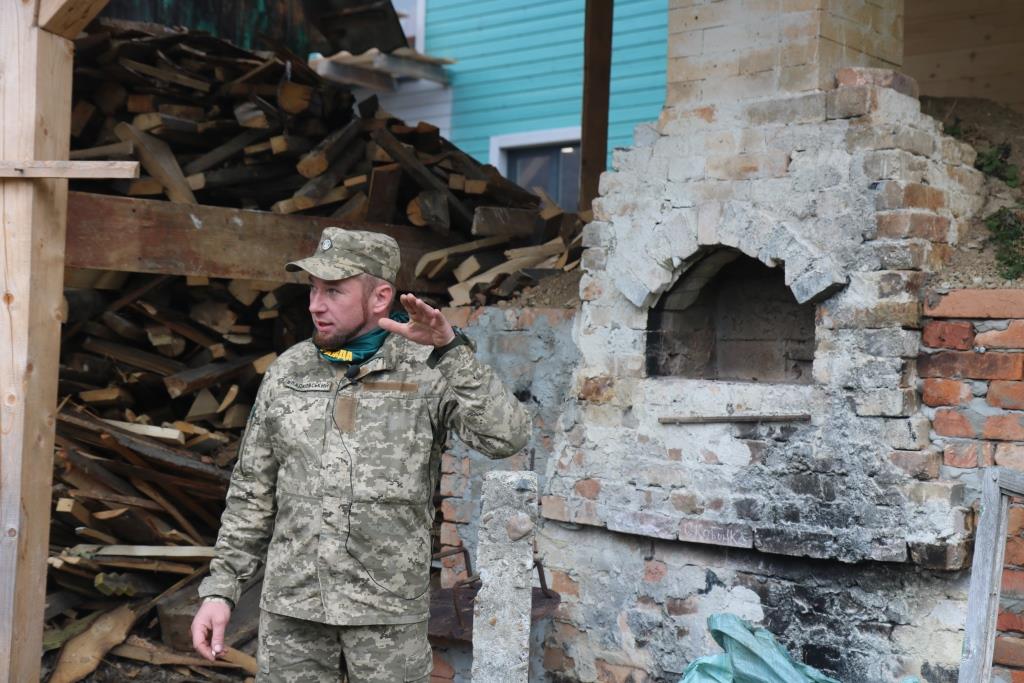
(500,144)
(420,26)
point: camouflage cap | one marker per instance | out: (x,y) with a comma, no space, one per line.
(343,253)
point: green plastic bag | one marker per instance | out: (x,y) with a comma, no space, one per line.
(752,655)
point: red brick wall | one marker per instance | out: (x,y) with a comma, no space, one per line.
(972,375)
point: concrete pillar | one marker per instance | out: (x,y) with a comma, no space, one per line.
(501,618)
(748,49)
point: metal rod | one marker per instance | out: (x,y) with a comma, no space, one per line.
(717,419)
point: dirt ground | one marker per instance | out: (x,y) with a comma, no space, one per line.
(984,124)
(557,291)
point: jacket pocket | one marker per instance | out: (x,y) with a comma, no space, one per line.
(391,542)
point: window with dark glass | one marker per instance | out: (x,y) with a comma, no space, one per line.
(555,168)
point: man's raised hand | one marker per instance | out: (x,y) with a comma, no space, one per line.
(426,324)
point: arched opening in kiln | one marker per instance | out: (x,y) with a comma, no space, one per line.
(730,317)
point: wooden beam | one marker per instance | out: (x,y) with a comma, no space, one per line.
(986,572)
(35,102)
(67,18)
(152,236)
(69,169)
(597,69)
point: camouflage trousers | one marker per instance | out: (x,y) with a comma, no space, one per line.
(299,651)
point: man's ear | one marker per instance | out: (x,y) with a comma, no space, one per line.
(383,298)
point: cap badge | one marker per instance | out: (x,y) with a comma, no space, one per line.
(325,245)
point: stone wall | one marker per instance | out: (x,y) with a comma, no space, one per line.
(972,384)
(533,352)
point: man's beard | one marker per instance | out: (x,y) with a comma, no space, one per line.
(338,340)
(331,342)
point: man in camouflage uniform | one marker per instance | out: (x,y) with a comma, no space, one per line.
(337,470)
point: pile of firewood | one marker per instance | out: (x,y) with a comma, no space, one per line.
(215,124)
(155,388)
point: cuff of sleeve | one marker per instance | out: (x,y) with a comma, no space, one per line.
(460,340)
(219,598)
(220,587)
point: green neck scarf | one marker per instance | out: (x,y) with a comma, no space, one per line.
(362,347)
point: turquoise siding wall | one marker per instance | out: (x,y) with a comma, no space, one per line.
(520,65)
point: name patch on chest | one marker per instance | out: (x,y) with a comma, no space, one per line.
(309,385)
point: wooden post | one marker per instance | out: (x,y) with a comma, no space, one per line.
(597,69)
(35,103)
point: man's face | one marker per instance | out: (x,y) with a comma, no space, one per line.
(341,311)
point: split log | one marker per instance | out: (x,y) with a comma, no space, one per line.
(194,379)
(320,158)
(159,162)
(422,175)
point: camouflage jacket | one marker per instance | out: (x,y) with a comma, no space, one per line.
(338,474)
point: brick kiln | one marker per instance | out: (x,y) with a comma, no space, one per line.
(747,413)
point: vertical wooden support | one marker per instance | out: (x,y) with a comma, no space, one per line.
(35,113)
(997,485)
(597,71)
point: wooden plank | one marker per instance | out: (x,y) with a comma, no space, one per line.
(103,151)
(478,263)
(432,263)
(235,175)
(231,148)
(550,248)
(460,292)
(35,70)
(165,434)
(498,220)
(182,521)
(116,498)
(67,18)
(410,68)
(142,235)
(133,356)
(69,169)
(422,175)
(174,458)
(166,75)
(81,116)
(159,161)
(163,552)
(165,658)
(383,195)
(350,74)
(74,509)
(1011,482)
(986,574)
(597,68)
(353,210)
(294,204)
